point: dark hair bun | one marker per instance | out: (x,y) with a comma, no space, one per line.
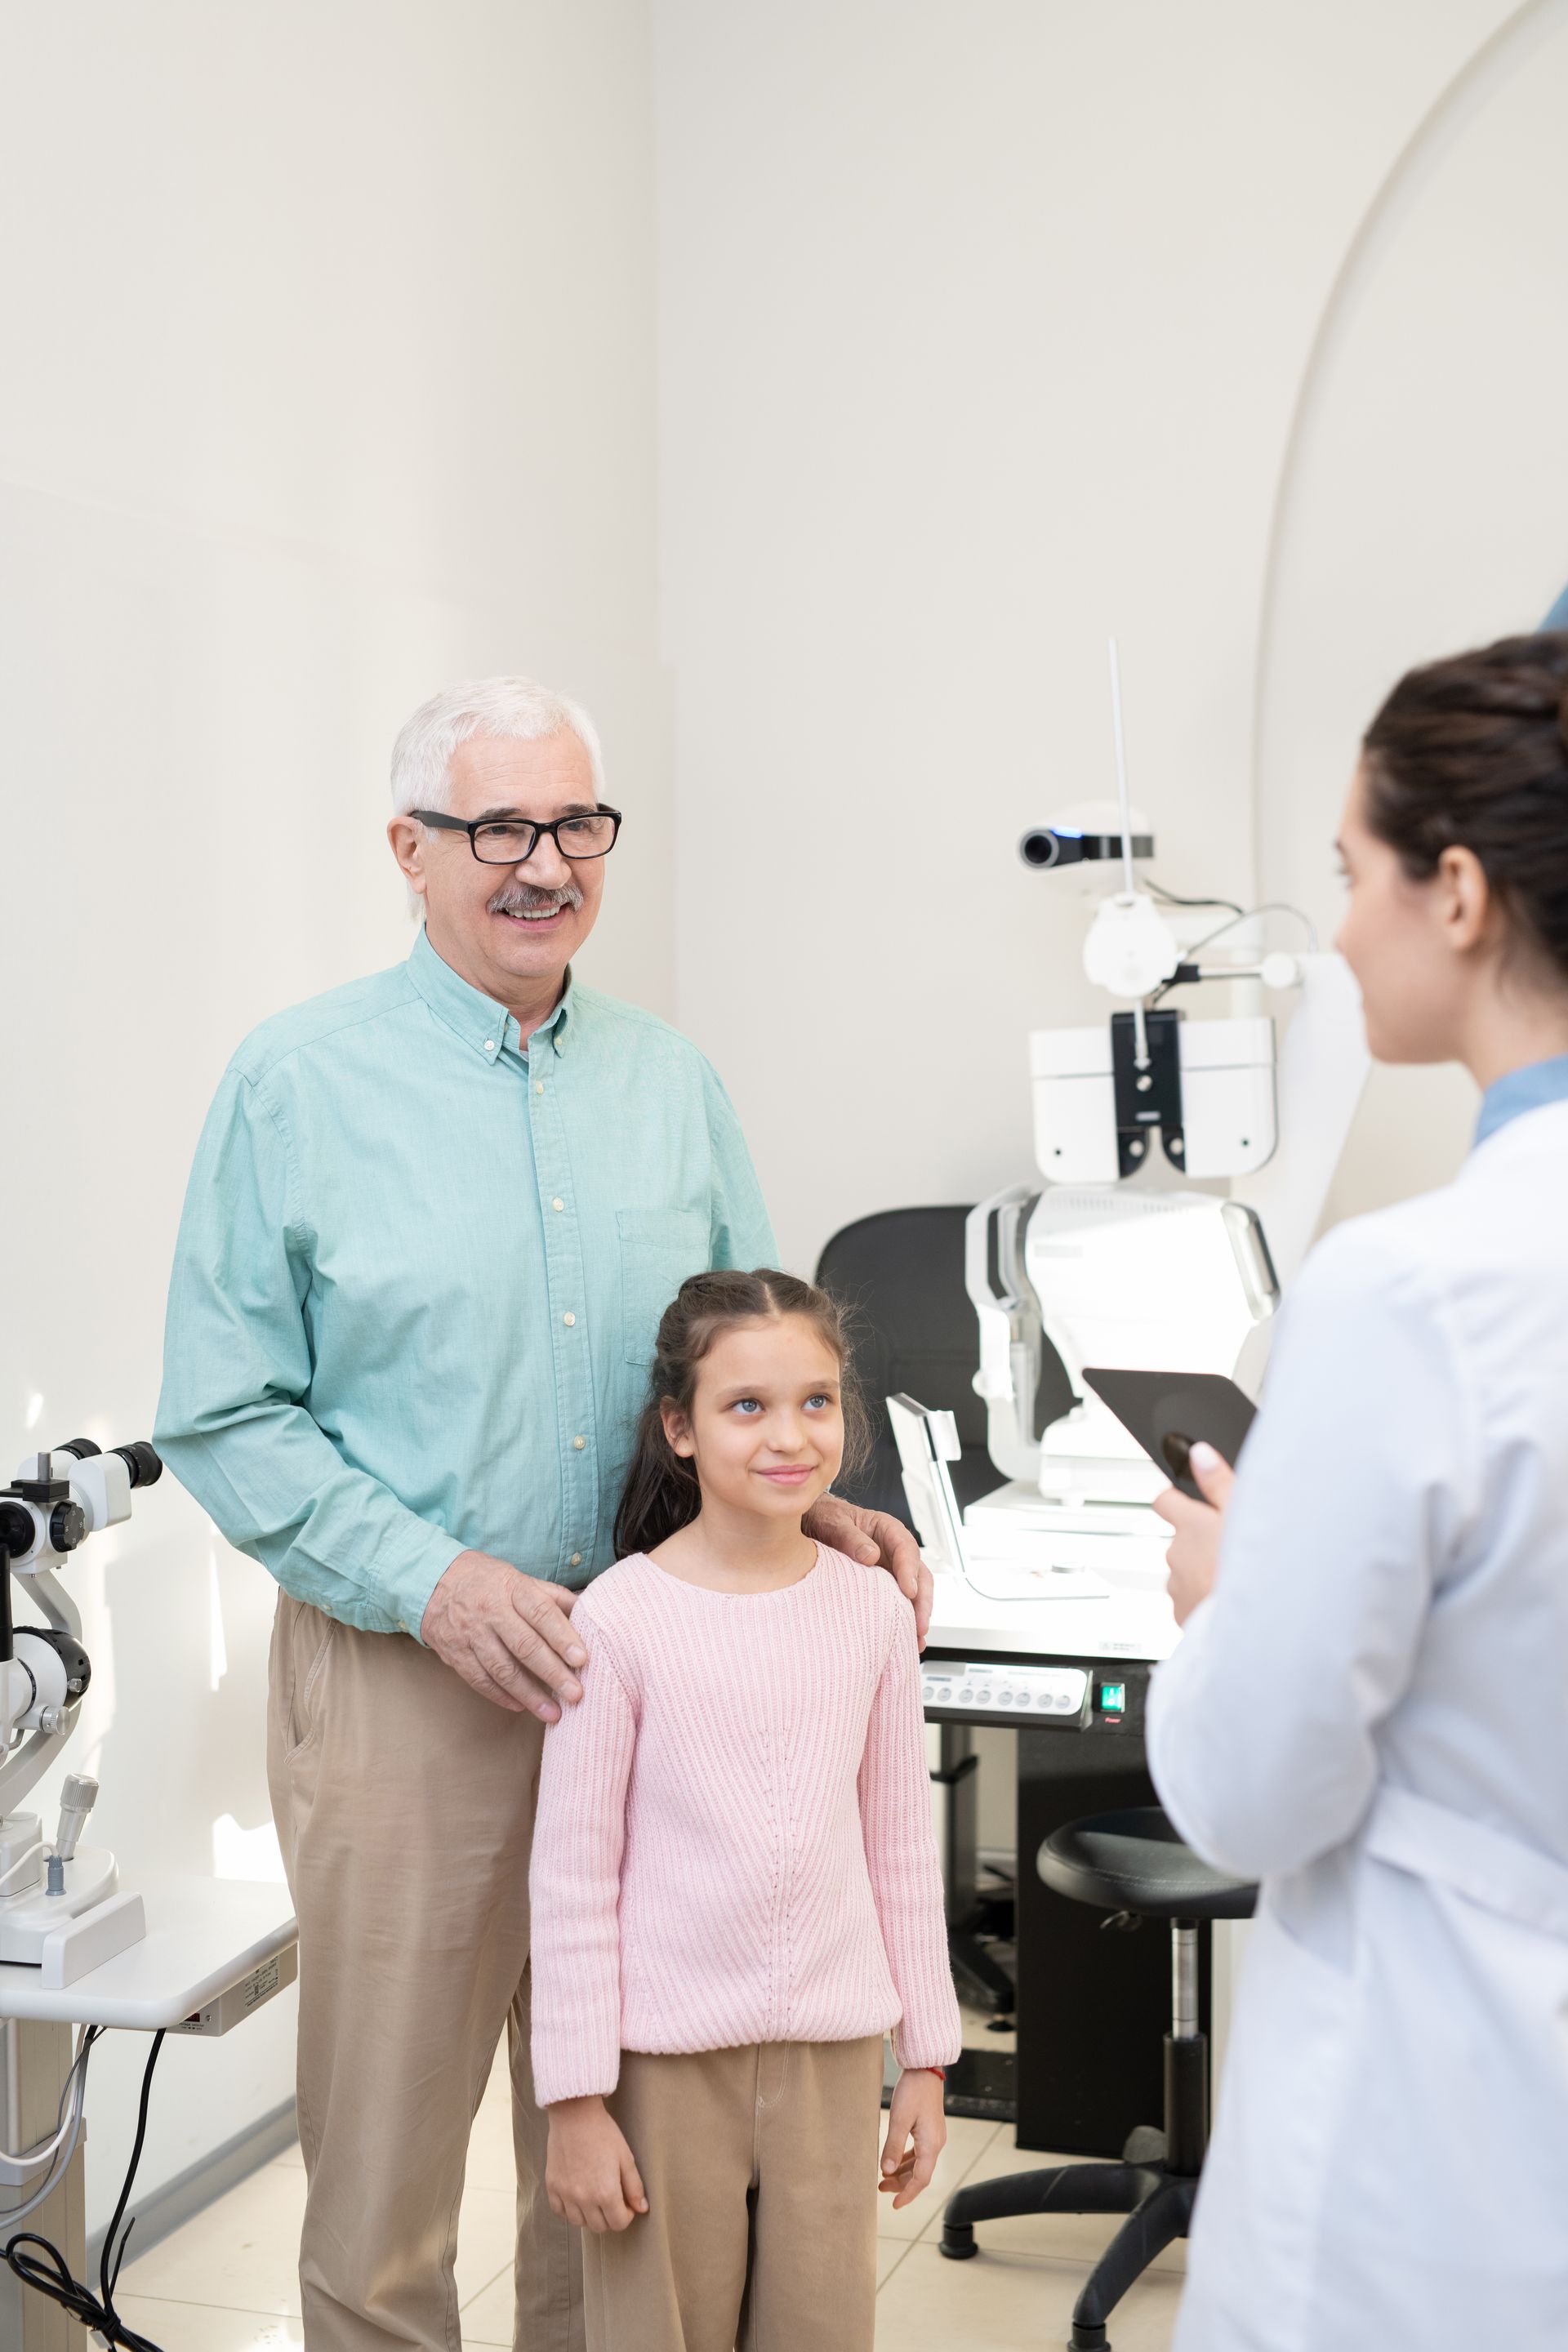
(1472,752)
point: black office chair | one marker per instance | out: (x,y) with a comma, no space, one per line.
(912,1327)
(1130,1863)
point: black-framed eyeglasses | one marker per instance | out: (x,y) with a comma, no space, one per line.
(512,840)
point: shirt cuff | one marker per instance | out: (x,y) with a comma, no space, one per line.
(409,1582)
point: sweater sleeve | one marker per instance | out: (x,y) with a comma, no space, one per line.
(575,1885)
(901,1857)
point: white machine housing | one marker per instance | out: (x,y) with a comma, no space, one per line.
(1105,1264)
(1230,1116)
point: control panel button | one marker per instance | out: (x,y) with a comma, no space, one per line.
(1056,1693)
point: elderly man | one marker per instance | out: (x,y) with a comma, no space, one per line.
(434,1219)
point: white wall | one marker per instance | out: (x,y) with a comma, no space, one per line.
(980,334)
(1424,503)
(329,377)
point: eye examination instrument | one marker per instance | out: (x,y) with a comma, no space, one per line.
(1184,1148)
(78,1947)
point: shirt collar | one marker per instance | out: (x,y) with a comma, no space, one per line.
(1530,1088)
(479,1020)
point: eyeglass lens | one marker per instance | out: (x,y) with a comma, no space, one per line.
(508,844)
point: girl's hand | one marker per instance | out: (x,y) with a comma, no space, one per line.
(1193,1558)
(590,2176)
(917,2134)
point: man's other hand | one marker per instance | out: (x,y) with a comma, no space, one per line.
(878,1541)
(508,1635)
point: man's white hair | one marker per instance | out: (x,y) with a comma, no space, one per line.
(516,706)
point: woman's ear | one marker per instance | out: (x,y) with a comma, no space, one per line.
(677,1430)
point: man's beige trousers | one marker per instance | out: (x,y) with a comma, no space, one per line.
(760,2171)
(405,1809)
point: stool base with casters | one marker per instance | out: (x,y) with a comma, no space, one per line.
(1128,1862)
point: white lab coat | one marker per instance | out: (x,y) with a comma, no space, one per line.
(1370,1716)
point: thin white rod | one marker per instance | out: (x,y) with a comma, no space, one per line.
(1127,883)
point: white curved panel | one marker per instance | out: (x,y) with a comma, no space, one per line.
(1425,505)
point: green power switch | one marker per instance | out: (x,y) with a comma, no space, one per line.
(1113,1698)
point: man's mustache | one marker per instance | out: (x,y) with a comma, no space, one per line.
(521,898)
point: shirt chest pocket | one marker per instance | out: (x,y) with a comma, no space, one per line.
(659,1247)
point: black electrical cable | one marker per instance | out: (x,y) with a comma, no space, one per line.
(47,2272)
(1171,900)
(106,2277)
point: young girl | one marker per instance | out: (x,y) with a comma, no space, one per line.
(736,1885)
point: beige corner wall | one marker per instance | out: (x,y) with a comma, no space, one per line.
(981,334)
(329,376)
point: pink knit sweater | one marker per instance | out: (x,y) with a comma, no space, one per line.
(734,1838)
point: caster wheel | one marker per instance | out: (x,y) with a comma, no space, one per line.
(958,2244)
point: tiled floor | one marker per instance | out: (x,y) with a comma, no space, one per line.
(226,2281)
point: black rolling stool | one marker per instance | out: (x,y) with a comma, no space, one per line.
(1134,1863)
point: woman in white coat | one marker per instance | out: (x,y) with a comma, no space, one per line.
(1369,1709)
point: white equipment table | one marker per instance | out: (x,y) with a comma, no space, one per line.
(207,1938)
(1051,1627)
(1044,1582)
(215,1951)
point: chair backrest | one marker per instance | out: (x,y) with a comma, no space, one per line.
(900,1275)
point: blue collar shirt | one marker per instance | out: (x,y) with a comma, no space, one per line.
(1527,1089)
(419,1274)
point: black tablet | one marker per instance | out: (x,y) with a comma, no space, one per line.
(1170,1412)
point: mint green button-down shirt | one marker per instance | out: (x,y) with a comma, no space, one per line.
(418,1278)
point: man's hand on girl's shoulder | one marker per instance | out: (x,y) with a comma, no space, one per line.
(590,2174)
(878,1540)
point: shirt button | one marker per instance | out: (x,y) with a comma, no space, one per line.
(575,1561)
(489,1045)
(569,1318)
(579,1442)
(539,1086)
(558,1204)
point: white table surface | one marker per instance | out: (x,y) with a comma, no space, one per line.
(1126,1623)
(202,1936)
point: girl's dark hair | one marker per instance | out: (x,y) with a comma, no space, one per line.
(1472,752)
(661,1493)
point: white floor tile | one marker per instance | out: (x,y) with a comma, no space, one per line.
(242,2252)
(1007,2303)
(200,2327)
(487,2239)
(891,2253)
(241,2255)
(499,2088)
(491,2164)
(487,2319)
